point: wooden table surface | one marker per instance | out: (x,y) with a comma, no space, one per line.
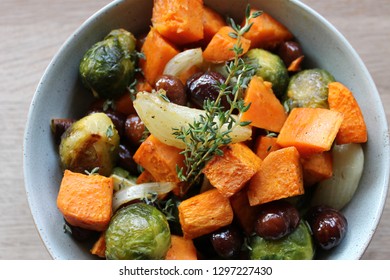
(32,31)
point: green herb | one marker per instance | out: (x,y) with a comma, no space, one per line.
(204,137)
(132,89)
(94,171)
(108,103)
(164,97)
(110,131)
(167,207)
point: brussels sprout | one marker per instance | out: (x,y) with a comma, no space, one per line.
(90,142)
(309,88)
(271,68)
(296,246)
(108,67)
(137,232)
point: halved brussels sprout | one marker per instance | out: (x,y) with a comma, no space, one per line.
(309,88)
(137,232)
(271,68)
(91,142)
(296,246)
(108,67)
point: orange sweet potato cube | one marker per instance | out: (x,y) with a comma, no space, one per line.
(204,213)
(280,176)
(212,22)
(245,214)
(181,249)
(159,159)
(145,177)
(86,200)
(158,51)
(353,128)
(310,130)
(181,22)
(266,32)
(317,167)
(229,173)
(265,145)
(99,247)
(220,48)
(265,111)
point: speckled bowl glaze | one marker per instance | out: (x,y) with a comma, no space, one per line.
(60,94)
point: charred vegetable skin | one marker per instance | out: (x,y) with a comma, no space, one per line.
(91,142)
(108,67)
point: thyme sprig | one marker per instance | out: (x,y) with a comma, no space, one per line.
(205,137)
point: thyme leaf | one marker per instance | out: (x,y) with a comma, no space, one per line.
(204,137)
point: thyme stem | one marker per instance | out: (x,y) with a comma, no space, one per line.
(203,138)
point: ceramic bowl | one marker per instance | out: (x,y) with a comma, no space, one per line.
(60,94)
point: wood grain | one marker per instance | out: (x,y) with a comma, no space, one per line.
(32,31)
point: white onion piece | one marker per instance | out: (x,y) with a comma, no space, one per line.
(121,182)
(336,192)
(140,191)
(183,61)
(160,117)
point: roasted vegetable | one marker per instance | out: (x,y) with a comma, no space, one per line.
(99,247)
(230,172)
(317,168)
(220,48)
(266,32)
(280,176)
(310,130)
(158,52)
(244,214)
(85,200)
(160,116)
(265,111)
(296,246)
(184,64)
(204,213)
(265,145)
(91,142)
(108,67)
(337,191)
(212,22)
(159,159)
(137,232)
(271,68)
(179,21)
(353,128)
(181,249)
(309,88)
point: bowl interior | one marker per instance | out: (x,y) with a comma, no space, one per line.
(60,94)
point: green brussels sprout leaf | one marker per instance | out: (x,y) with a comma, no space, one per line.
(137,232)
(108,67)
(271,68)
(296,246)
(309,88)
